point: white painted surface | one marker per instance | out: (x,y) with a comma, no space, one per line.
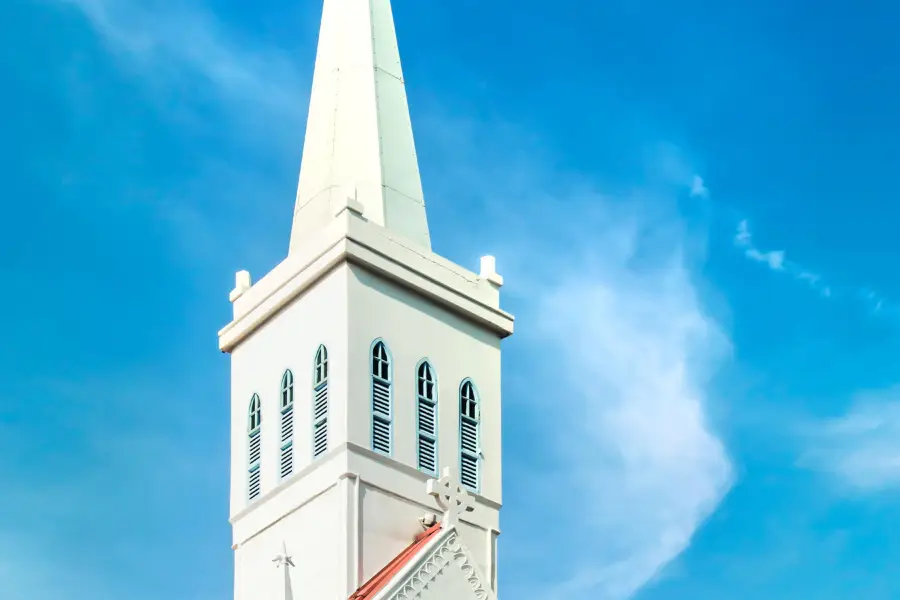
(414,328)
(358,133)
(349,238)
(372,520)
(289,341)
(319,298)
(443,570)
(360,268)
(308,535)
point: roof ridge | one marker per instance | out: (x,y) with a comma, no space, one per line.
(383,577)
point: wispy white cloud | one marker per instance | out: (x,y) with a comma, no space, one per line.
(649,468)
(253,94)
(120,480)
(860,449)
(608,308)
(609,293)
(773,258)
(698,187)
(167,44)
(777,261)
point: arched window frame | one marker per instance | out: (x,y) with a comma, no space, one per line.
(381,374)
(469,435)
(254,447)
(320,402)
(287,423)
(426,417)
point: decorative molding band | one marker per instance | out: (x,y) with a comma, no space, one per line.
(408,470)
(285,483)
(450,550)
(350,239)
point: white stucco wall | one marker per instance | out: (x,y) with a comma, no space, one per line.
(414,328)
(289,341)
(359,201)
(389,525)
(309,535)
(352,530)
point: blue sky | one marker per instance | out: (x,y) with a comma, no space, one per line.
(693,206)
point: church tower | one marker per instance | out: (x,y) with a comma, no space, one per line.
(365,369)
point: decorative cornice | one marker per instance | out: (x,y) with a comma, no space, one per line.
(449,550)
(336,461)
(351,239)
(409,470)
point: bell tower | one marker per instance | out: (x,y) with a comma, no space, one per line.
(363,365)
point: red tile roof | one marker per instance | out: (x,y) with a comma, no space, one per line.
(384,576)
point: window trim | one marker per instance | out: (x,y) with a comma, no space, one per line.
(287,388)
(287,385)
(478,454)
(316,386)
(390,386)
(437,427)
(251,429)
(254,415)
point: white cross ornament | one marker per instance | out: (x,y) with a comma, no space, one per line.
(451,496)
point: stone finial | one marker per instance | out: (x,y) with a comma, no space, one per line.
(451,496)
(489,271)
(241,285)
(427,520)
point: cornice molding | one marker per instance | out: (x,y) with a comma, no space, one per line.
(351,239)
(448,549)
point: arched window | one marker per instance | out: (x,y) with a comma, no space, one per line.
(254,428)
(469,433)
(381,399)
(426,417)
(320,402)
(287,423)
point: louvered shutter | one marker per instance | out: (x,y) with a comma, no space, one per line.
(426,417)
(381,415)
(287,440)
(469,430)
(320,403)
(469,452)
(254,447)
(320,419)
(381,400)
(287,424)
(255,452)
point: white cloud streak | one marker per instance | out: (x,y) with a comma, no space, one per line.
(253,94)
(610,311)
(166,44)
(129,462)
(776,260)
(773,258)
(608,306)
(649,470)
(860,449)
(698,188)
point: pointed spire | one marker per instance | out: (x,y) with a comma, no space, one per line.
(359,143)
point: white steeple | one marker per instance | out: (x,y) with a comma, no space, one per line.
(364,365)
(359,141)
